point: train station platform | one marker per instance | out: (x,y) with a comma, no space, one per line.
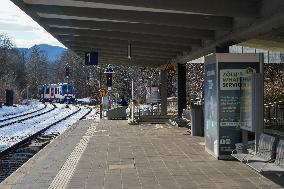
(112,154)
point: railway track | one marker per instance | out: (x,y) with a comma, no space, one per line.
(22,114)
(85,115)
(17,119)
(15,156)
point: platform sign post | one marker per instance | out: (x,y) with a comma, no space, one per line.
(91,58)
(223,72)
(102,92)
(169,68)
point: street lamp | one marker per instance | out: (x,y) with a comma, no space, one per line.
(109,71)
(100,85)
(67,74)
(150,92)
(129,51)
(132,97)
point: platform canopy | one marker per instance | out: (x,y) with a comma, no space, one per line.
(159,30)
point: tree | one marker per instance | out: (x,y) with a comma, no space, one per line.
(37,70)
(84,78)
(194,82)
(141,78)
(273,82)
(10,67)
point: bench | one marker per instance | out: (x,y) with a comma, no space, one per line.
(265,152)
(183,121)
(275,166)
(186,114)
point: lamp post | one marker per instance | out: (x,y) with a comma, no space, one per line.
(150,92)
(109,71)
(132,98)
(67,74)
(132,101)
(100,85)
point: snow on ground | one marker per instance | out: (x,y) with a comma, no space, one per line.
(92,114)
(12,134)
(62,126)
(86,100)
(7,111)
(48,107)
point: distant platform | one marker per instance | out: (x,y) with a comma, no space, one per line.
(111,154)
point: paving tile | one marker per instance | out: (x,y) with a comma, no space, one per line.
(162,158)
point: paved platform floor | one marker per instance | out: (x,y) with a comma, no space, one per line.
(113,154)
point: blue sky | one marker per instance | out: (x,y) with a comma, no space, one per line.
(21,28)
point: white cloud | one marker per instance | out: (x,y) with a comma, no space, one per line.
(24,31)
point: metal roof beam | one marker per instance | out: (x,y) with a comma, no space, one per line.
(159,18)
(134,62)
(137,28)
(127,36)
(119,49)
(239,8)
(74,39)
(97,45)
(113,53)
(258,28)
(116,57)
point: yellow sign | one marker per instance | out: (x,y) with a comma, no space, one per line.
(102,92)
(170,68)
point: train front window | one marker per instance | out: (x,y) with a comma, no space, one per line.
(70,89)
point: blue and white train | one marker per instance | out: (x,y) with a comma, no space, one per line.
(61,92)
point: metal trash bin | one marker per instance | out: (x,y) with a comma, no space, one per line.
(9,97)
(197,126)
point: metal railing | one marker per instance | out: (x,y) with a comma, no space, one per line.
(172,108)
(274,115)
(147,110)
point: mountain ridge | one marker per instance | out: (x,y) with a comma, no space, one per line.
(52,52)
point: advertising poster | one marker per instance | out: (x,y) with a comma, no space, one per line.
(210,113)
(229,102)
(152,95)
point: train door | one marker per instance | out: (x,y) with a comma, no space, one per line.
(52,93)
(47,95)
(57,96)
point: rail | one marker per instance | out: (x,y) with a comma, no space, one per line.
(15,146)
(28,117)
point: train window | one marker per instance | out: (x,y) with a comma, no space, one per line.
(55,90)
(47,91)
(70,89)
